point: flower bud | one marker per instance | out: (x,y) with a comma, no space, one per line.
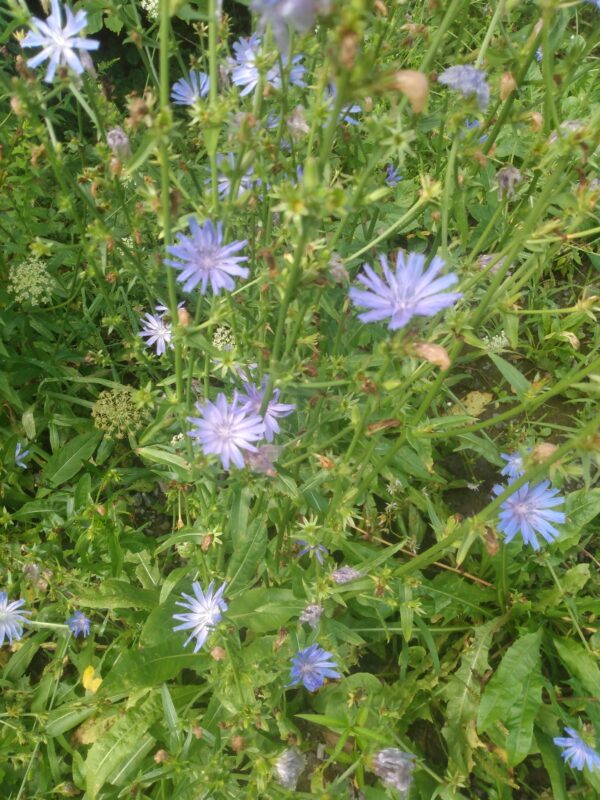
(183,317)
(508,85)
(537,121)
(434,353)
(414,85)
(542,452)
(218,654)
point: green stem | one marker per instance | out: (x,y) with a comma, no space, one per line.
(165,112)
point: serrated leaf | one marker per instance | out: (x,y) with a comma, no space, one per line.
(463,692)
(111,757)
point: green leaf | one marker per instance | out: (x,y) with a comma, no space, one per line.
(120,594)
(554,765)
(580,664)
(513,697)
(463,692)
(151,666)
(120,749)
(67,462)
(64,719)
(512,375)
(248,554)
(264,610)
(28,422)
(158,456)
(581,508)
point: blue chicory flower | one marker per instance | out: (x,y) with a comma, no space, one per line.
(226,429)
(205,610)
(187,91)
(393,177)
(529,512)
(576,752)
(410,291)
(12,619)
(202,258)
(253,397)
(299,15)
(246,74)
(346,111)
(79,624)
(20,456)
(514,466)
(318,550)
(468,81)
(157,333)
(60,45)
(311,666)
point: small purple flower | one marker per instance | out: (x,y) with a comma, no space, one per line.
(311,614)
(253,397)
(156,332)
(529,511)
(203,259)
(474,123)
(514,466)
(12,619)
(187,91)
(468,81)
(226,430)
(263,461)
(288,768)
(79,624)
(205,610)
(410,291)
(576,752)
(393,177)
(346,575)
(246,74)
(311,666)
(20,456)
(318,550)
(59,44)
(394,768)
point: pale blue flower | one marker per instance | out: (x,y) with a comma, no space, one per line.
(282,15)
(246,74)
(79,624)
(288,768)
(253,397)
(393,177)
(311,614)
(20,456)
(59,44)
(408,292)
(576,752)
(202,258)
(346,574)
(317,550)
(514,467)
(227,166)
(474,123)
(311,666)
(187,91)
(205,610)
(469,81)
(12,619)
(226,429)
(157,332)
(394,767)
(528,511)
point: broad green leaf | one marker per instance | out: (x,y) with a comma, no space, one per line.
(151,666)
(554,765)
(463,692)
(239,516)
(581,508)
(513,697)
(264,610)
(581,664)
(159,456)
(115,753)
(67,462)
(119,594)
(64,719)
(248,555)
